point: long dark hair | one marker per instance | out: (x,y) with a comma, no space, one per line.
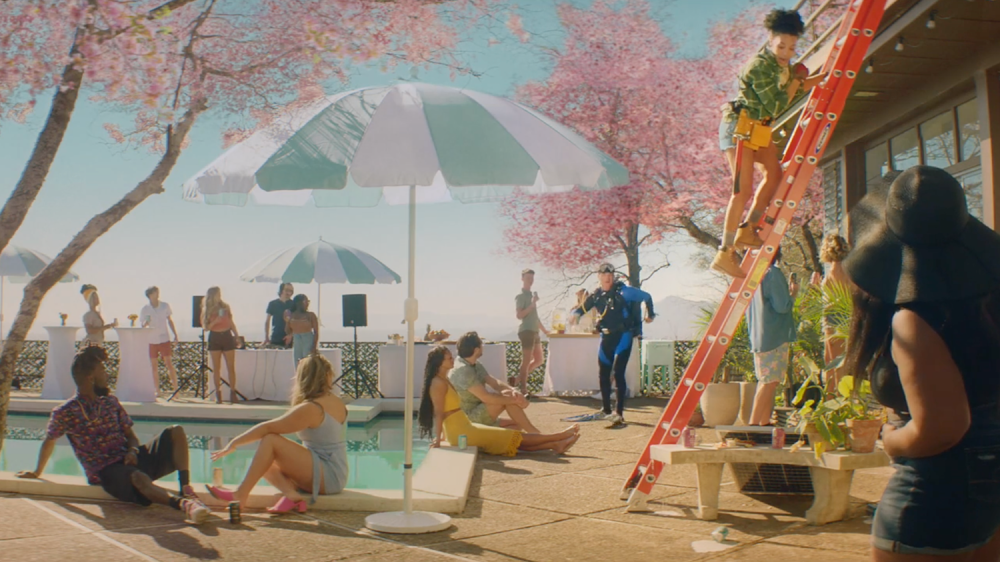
(425,416)
(968,327)
(299,303)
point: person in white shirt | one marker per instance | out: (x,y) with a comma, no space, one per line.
(157,315)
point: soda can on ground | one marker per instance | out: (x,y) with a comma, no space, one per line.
(720,534)
(777,438)
(234,513)
(463,442)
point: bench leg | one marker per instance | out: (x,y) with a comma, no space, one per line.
(833,489)
(709,482)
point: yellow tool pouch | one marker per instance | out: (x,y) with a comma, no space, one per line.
(754,133)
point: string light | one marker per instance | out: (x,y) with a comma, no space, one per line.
(871,66)
(899,45)
(931,24)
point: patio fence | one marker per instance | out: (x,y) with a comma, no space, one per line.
(187,357)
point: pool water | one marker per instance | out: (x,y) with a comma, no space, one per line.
(374,450)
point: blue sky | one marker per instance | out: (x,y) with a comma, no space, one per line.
(185,247)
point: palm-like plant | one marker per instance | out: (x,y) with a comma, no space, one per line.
(738,357)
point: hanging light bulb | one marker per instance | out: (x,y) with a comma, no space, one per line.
(931,24)
(871,66)
(899,45)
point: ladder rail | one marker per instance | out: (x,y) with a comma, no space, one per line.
(811,134)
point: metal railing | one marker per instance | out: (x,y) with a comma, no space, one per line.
(30,370)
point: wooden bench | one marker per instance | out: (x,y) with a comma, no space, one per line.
(831,473)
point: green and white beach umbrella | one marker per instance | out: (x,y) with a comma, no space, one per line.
(404,144)
(321,262)
(20,265)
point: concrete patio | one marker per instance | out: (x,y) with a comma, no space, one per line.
(534,507)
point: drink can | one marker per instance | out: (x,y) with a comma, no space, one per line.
(688,438)
(720,534)
(234,513)
(463,442)
(777,438)
(216,476)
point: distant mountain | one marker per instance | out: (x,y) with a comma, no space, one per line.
(676,319)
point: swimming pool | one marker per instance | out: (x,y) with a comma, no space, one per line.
(374,450)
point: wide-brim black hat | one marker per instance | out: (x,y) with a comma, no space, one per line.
(914,241)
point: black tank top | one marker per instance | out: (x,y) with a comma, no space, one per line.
(979,368)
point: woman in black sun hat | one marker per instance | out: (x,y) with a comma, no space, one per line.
(925,278)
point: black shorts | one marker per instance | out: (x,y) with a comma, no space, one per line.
(221,341)
(156,460)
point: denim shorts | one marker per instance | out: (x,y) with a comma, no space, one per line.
(945,504)
(726,130)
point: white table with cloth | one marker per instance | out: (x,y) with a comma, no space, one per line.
(392,366)
(267,374)
(571,367)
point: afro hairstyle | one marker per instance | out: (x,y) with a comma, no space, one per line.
(784,22)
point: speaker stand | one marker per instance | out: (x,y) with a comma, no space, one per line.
(358,376)
(200,372)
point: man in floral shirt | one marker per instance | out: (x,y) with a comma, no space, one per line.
(100,432)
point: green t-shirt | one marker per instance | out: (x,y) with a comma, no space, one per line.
(530,322)
(464,376)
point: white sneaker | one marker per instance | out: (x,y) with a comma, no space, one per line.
(196,513)
(616,420)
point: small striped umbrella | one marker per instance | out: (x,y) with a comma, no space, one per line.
(20,265)
(321,262)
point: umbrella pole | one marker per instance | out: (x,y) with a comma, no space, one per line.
(409,521)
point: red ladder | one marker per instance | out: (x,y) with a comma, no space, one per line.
(804,149)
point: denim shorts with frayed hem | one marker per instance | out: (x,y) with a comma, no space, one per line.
(946,504)
(726,129)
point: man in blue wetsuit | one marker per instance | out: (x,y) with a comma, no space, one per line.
(618,320)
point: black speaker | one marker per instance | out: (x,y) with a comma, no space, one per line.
(196,311)
(355,311)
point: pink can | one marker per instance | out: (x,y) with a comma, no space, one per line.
(777,438)
(688,438)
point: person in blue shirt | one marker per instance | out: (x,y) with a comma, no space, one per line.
(618,321)
(772,328)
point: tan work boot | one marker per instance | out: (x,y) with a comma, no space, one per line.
(726,261)
(746,237)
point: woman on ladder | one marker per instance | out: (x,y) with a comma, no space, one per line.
(766,88)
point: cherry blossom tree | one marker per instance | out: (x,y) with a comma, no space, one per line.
(168,63)
(619,82)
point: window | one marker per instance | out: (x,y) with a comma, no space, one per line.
(876,164)
(905,150)
(938,135)
(972,182)
(968,129)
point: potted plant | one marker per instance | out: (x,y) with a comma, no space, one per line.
(851,418)
(864,415)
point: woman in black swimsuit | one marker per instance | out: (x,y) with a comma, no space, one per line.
(925,278)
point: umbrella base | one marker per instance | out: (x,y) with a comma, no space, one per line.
(402,523)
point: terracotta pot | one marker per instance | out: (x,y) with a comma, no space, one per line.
(720,404)
(748,390)
(815,438)
(862,434)
(697,419)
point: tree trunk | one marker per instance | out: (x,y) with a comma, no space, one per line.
(36,290)
(16,208)
(632,257)
(813,247)
(699,235)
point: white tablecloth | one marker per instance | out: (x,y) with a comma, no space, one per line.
(392,366)
(135,374)
(58,383)
(266,374)
(572,365)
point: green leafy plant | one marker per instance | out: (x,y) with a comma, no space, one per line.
(738,358)
(852,402)
(832,302)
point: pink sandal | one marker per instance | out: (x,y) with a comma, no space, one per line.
(221,493)
(285,505)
